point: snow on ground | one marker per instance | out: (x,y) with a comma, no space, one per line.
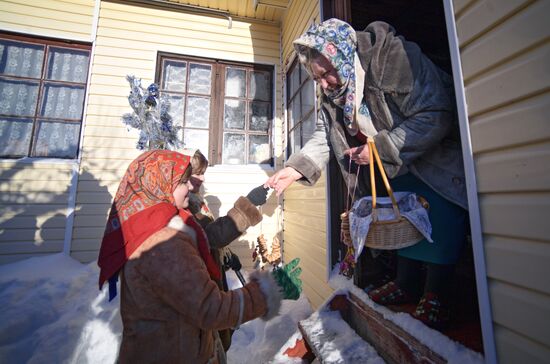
(52,312)
(258,341)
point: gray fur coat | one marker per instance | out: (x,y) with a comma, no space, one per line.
(412,106)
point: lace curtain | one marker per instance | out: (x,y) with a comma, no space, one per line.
(58,120)
(246,108)
(197,110)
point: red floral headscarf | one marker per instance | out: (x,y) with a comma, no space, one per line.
(143,205)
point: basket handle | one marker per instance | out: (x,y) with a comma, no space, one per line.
(374,151)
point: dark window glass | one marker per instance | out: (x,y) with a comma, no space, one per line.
(300,107)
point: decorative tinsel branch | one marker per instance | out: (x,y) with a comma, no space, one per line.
(150,116)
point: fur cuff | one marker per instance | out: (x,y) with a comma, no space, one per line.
(271,291)
(245,214)
(306,167)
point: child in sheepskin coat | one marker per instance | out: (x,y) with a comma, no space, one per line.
(223,230)
(171,306)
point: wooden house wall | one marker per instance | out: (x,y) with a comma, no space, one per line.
(505,53)
(34,194)
(128,40)
(305,208)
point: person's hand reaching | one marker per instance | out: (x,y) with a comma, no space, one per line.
(359,155)
(282,179)
(258,195)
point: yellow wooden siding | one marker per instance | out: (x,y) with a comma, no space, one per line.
(305,208)
(505,52)
(65,19)
(34,196)
(305,236)
(518,348)
(268,10)
(128,40)
(300,15)
(33,205)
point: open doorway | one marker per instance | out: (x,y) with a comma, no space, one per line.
(423,23)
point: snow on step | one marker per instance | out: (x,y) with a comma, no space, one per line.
(335,341)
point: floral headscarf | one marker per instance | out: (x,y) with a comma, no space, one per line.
(144,204)
(337,42)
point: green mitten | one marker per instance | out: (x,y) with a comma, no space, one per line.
(288,278)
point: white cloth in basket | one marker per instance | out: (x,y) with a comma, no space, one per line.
(360,216)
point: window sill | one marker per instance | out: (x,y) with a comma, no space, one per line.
(242,167)
(29,160)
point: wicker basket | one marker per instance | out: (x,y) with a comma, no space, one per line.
(391,234)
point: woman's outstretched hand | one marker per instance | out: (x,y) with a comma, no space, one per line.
(282,179)
(359,155)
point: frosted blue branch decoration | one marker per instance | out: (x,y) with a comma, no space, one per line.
(150,116)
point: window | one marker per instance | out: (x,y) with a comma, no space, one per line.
(42,89)
(300,107)
(225,108)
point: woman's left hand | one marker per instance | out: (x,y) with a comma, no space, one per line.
(359,155)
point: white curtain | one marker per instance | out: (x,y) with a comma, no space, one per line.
(19,98)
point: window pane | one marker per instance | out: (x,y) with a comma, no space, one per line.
(234,114)
(233,148)
(200,78)
(174,76)
(297,138)
(196,139)
(308,127)
(259,149)
(294,81)
(198,112)
(260,86)
(57,139)
(177,105)
(291,142)
(62,102)
(235,82)
(68,65)
(15,136)
(21,59)
(308,97)
(290,116)
(18,97)
(303,73)
(261,115)
(296,113)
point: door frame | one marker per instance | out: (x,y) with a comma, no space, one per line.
(484,303)
(342,9)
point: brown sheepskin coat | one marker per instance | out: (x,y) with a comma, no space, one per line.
(171,308)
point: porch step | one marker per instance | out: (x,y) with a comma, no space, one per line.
(392,344)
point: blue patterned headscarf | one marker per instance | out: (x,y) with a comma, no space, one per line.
(337,42)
